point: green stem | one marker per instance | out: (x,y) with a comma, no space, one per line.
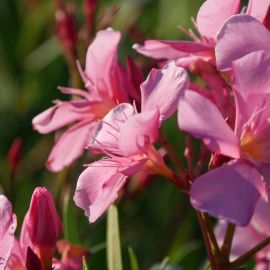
(171,152)
(244,258)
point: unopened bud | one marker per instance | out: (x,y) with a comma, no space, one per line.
(44,225)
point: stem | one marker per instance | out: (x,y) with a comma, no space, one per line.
(207,242)
(227,243)
(171,153)
(241,260)
(211,235)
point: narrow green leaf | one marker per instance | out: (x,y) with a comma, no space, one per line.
(114,257)
(70,226)
(85,267)
(133,259)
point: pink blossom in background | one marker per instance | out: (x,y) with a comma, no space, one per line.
(198,55)
(8,224)
(127,138)
(107,84)
(245,238)
(232,190)
(210,18)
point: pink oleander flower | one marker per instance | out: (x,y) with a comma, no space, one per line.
(107,84)
(245,238)
(232,190)
(198,56)
(8,224)
(127,137)
(210,18)
(239,36)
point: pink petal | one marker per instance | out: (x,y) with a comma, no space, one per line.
(102,54)
(258,9)
(229,192)
(16,260)
(8,224)
(106,135)
(261,218)
(251,80)
(200,117)
(69,146)
(102,66)
(97,188)
(60,115)
(251,73)
(163,88)
(25,240)
(171,49)
(235,41)
(212,15)
(138,132)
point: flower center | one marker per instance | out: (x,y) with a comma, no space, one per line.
(255,146)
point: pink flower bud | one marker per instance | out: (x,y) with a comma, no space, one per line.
(44,225)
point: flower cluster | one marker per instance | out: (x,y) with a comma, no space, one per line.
(120,116)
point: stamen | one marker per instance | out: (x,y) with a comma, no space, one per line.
(72,91)
(87,81)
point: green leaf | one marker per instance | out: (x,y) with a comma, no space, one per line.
(85,267)
(114,257)
(70,226)
(133,259)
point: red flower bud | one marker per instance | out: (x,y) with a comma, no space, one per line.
(66,28)
(44,225)
(14,154)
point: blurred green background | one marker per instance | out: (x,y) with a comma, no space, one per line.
(156,222)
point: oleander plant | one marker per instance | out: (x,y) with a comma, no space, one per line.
(135,135)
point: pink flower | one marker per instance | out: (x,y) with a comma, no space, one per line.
(107,84)
(248,237)
(198,56)
(232,190)
(210,18)
(8,224)
(127,137)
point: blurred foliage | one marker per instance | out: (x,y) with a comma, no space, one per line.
(157,222)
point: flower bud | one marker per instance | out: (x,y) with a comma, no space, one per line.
(44,225)
(14,154)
